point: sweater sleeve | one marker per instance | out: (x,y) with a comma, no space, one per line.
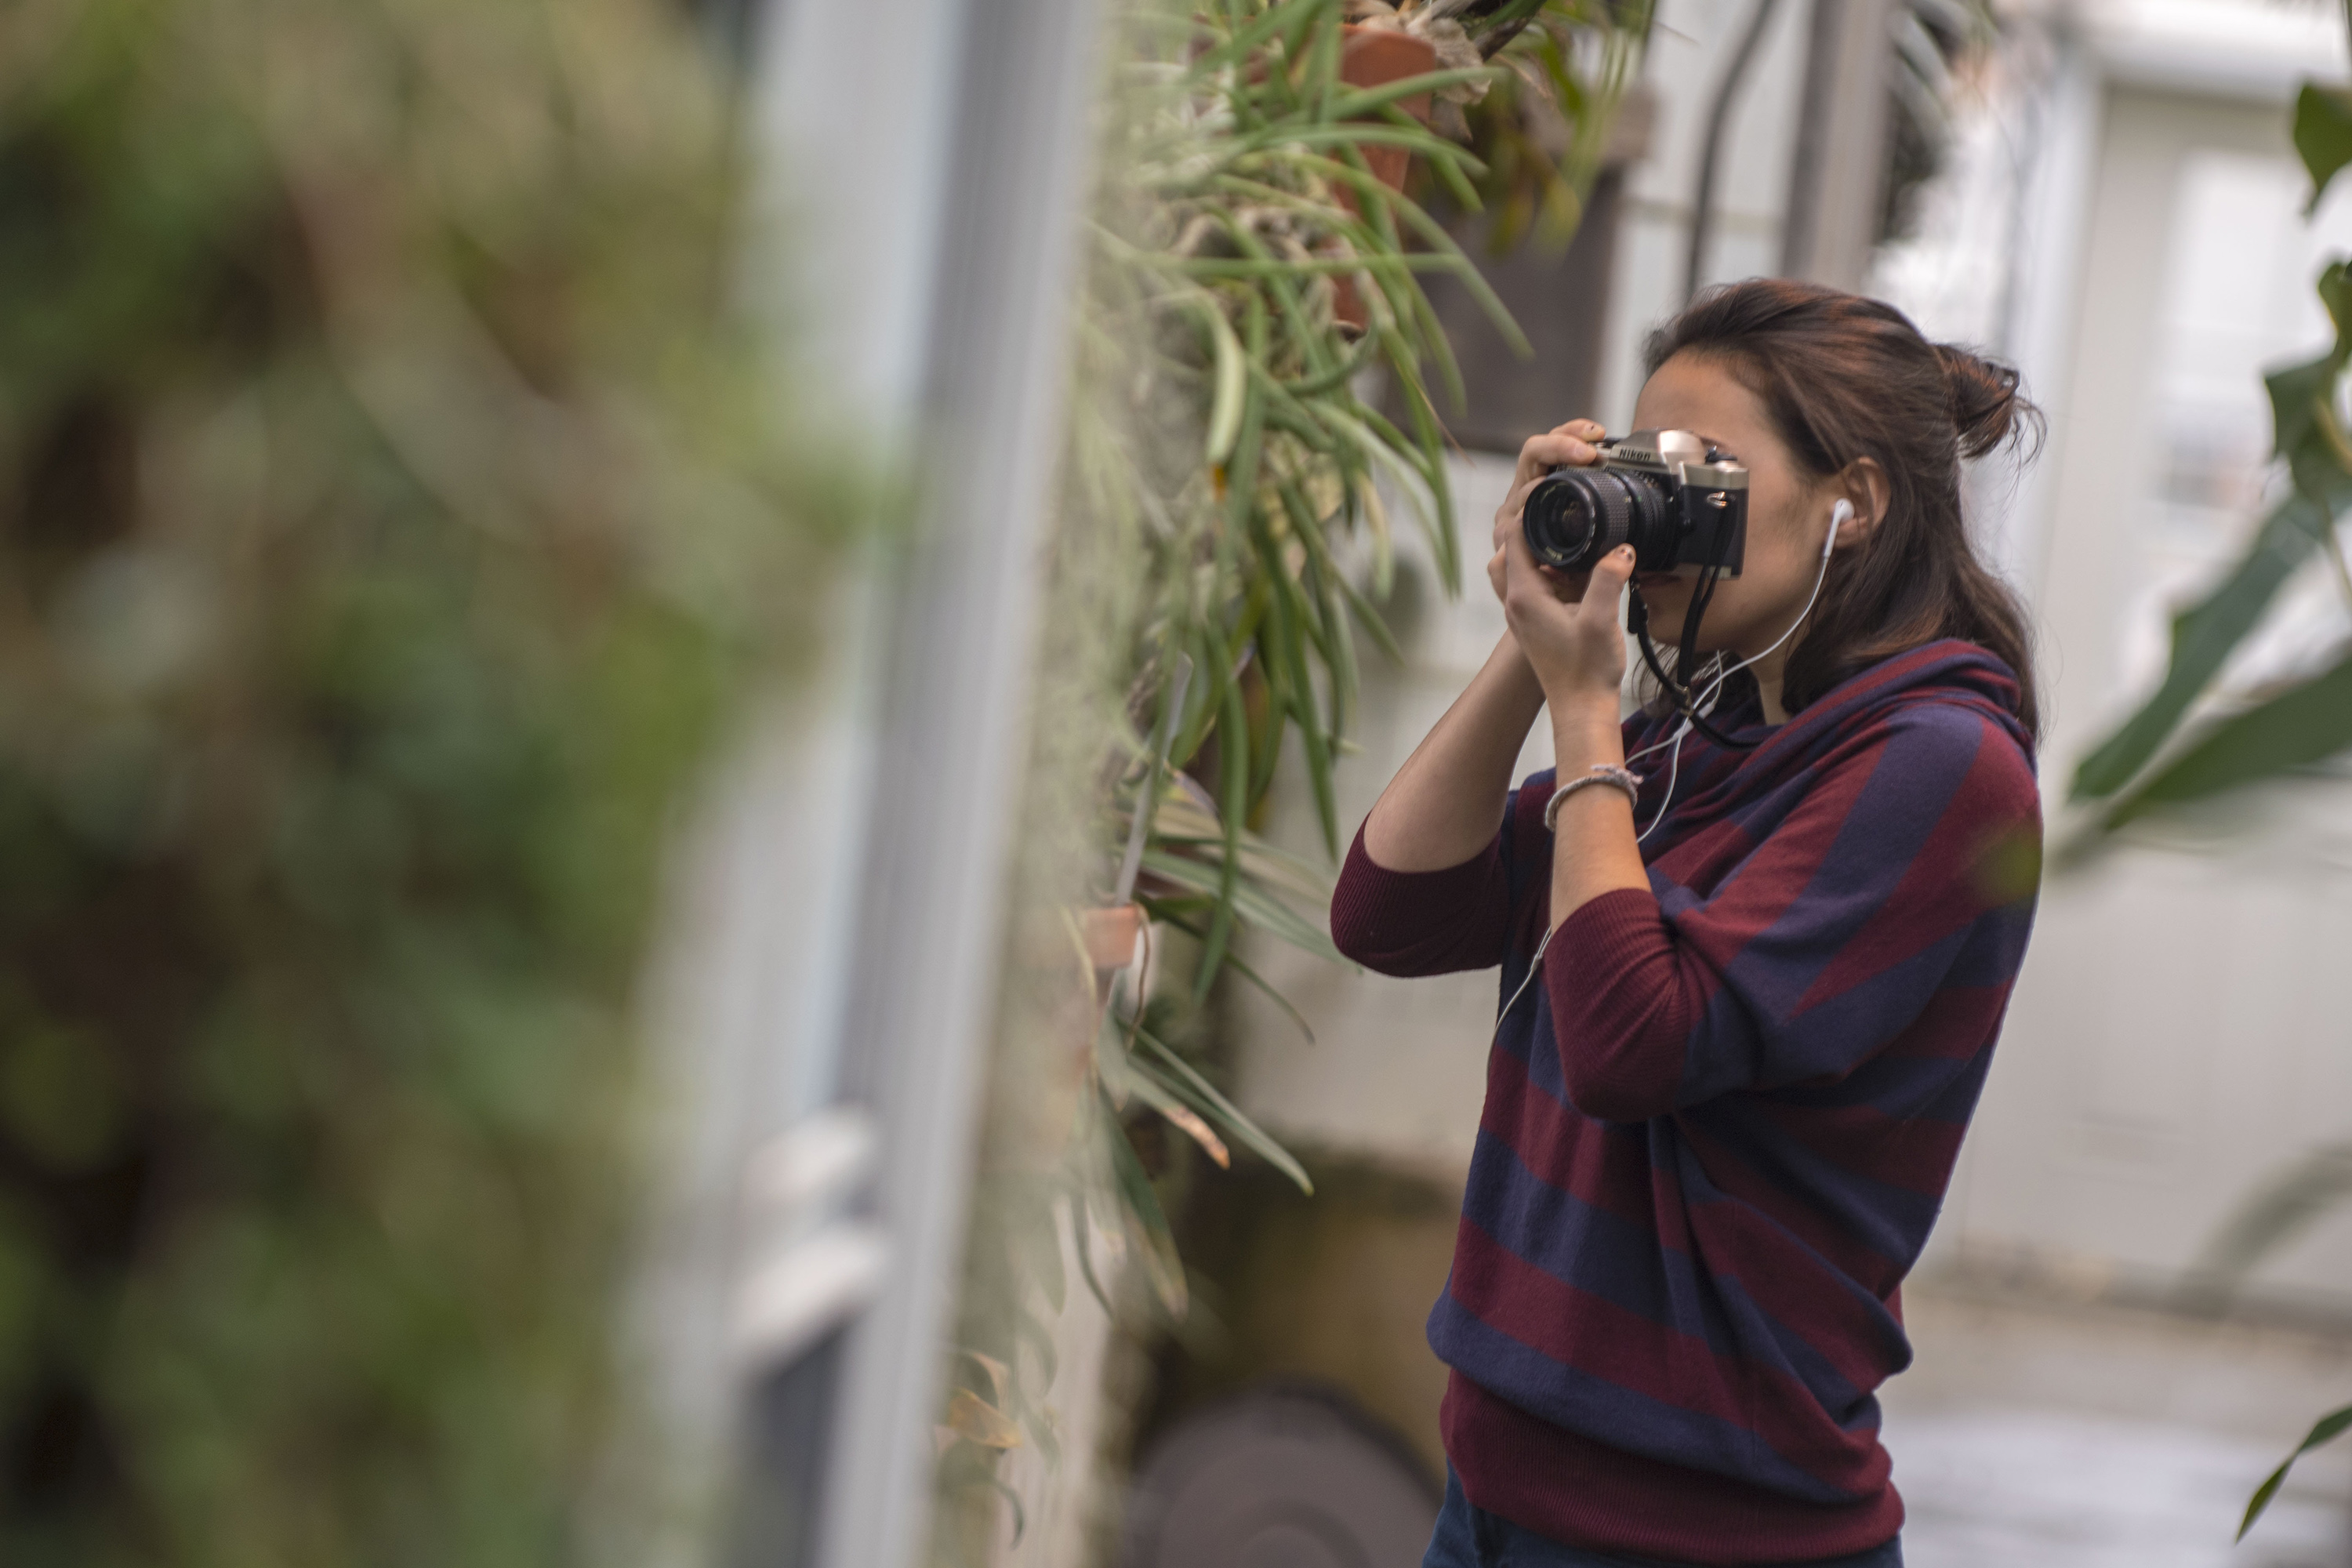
(1826,940)
(1422,922)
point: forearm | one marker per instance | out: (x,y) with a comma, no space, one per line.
(1446,803)
(1593,848)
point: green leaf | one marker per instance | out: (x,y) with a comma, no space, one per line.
(2326,1430)
(1160,910)
(1147,1222)
(1261,909)
(1234,752)
(1434,234)
(1226,406)
(1426,144)
(1369,617)
(2203,637)
(1275,19)
(2297,394)
(1205,1099)
(2323,134)
(1371,263)
(1356,104)
(1082,1246)
(2305,724)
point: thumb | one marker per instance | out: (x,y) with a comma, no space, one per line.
(1610,575)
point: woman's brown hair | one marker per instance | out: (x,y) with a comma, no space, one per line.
(1842,377)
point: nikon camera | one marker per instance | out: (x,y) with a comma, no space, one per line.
(1670,494)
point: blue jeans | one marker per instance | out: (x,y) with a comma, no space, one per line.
(1468,1536)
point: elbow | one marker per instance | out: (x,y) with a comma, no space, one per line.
(1627,1069)
(1351,932)
(1612,1092)
(1366,928)
(1359,944)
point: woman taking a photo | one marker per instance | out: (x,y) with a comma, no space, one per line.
(1752,984)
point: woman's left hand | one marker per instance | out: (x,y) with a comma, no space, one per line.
(1576,649)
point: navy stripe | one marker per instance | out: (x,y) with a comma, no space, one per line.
(1617,1415)
(1627,1264)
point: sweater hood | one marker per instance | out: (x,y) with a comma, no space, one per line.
(1947,673)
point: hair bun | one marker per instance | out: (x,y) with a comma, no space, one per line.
(1987,409)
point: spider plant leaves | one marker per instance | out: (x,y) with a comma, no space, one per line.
(1155,1091)
(1181,1078)
(1359,101)
(1260,907)
(1226,402)
(1142,1222)
(1247,40)
(2327,1429)
(1234,752)
(1181,820)
(1168,911)
(1276,269)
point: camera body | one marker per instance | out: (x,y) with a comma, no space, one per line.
(1678,501)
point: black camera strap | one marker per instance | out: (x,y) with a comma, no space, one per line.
(1679,694)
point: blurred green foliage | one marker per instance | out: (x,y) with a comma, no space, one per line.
(2186,741)
(391,513)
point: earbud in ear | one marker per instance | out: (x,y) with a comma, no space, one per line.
(1840,515)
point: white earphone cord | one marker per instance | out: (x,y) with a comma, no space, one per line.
(1839,514)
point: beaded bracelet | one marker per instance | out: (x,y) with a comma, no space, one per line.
(1601,773)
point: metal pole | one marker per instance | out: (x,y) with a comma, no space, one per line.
(1837,176)
(1719,120)
(921,996)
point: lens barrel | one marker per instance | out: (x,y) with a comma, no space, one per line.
(1575,516)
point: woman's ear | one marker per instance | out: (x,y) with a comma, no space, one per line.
(1863,483)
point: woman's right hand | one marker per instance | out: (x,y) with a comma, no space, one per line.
(1566,445)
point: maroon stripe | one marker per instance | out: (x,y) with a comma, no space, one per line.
(1939,893)
(1703,859)
(1593,1335)
(1958,1023)
(1739,1180)
(1623,1004)
(1755,900)
(1604,1164)
(1911,1152)
(1801,1294)
(1571,1489)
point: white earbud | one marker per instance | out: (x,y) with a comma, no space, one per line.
(1840,515)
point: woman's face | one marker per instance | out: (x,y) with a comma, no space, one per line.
(1788,513)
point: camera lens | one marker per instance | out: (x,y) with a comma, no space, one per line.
(1575,516)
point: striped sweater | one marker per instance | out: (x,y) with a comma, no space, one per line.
(1718,1128)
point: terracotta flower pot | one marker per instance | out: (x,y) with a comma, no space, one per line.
(1375,57)
(1111,936)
